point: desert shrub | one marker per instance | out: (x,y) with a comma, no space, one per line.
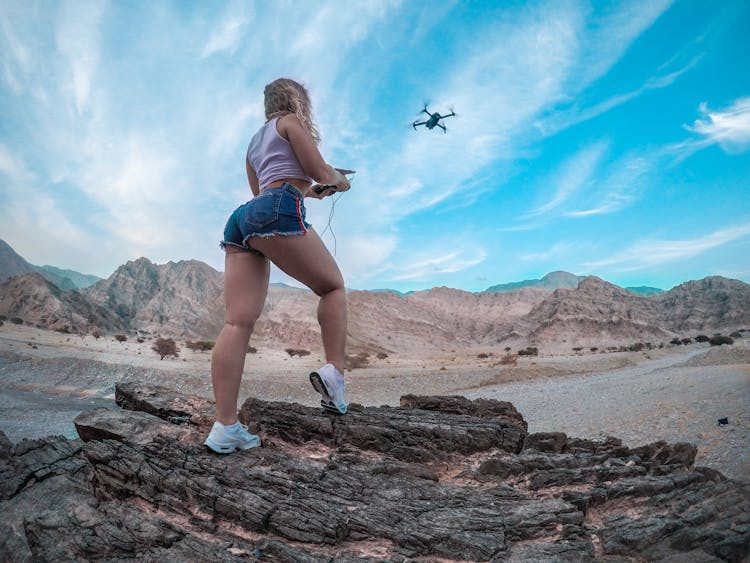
(1,323)
(577,349)
(295,352)
(718,340)
(16,321)
(482,356)
(140,340)
(507,349)
(97,334)
(201,345)
(252,350)
(165,347)
(529,351)
(3,318)
(361,360)
(381,356)
(508,360)
(687,341)
(736,334)
(593,349)
(676,341)
(121,337)
(63,330)
(637,347)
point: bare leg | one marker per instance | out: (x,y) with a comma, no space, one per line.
(307,260)
(245,287)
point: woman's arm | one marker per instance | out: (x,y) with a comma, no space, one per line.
(308,155)
(252,177)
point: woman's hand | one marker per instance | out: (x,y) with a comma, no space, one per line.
(319,191)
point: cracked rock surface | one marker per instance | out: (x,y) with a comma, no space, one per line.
(436,479)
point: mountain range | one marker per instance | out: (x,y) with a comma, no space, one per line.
(185,300)
(12,264)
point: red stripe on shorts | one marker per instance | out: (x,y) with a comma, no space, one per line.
(299,215)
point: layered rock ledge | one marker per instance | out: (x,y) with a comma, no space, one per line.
(436,479)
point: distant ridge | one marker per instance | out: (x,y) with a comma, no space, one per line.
(12,264)
(644,290)
(552,281)
(78,279)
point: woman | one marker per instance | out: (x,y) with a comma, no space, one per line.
(282,164)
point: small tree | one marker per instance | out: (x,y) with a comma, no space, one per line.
(97,333)
(165,347)
(120,337)
(718,340)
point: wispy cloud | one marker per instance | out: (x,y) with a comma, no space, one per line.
(621,186)
(647,253)
(78,40)
(729,128)
(557,251)
(574,175)
(447,263)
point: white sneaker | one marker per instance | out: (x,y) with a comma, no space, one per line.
(225,439)
(329,382)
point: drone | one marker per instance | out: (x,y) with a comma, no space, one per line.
(433,121)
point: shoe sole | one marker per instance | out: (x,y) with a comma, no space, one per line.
(326,402)
(216,448)
(330,407)
(320,386)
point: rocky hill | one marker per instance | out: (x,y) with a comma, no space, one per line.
(435,479)
(37,301)
(595,312)
(180,299)
(705,305)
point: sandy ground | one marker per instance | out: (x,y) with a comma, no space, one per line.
(674,394)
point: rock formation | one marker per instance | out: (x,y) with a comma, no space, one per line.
(438,478)
(182,299)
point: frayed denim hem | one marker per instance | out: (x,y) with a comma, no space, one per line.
(245,246)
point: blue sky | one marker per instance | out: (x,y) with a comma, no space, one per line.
(602,138)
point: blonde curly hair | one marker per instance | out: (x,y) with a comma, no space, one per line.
(283,96)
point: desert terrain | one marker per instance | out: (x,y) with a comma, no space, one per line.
(676,394)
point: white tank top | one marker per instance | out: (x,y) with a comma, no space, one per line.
(272,157)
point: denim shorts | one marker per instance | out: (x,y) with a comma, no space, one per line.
(275,211)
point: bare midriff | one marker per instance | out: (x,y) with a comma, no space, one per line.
(301,185)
